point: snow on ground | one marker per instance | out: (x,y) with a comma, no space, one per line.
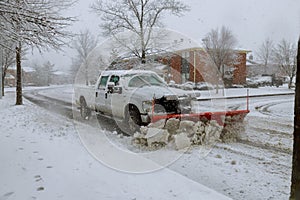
(258,167)
(66,92)
(216,103)
(42,157)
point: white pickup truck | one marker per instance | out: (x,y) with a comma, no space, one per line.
(132,96)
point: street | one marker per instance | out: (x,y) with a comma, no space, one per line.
(257,166)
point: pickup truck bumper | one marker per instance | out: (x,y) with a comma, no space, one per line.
(147,117)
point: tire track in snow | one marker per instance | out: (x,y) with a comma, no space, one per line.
(51,104)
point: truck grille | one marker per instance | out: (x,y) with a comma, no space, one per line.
(164,105)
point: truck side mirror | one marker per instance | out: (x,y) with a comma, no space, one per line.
(117,90)
(110,87)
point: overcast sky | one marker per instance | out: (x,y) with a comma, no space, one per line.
(251,21)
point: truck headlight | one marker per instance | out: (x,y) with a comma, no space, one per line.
(171,97)
(147,106)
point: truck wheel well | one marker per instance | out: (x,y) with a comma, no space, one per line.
(131,107)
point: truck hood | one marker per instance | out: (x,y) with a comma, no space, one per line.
(148,92)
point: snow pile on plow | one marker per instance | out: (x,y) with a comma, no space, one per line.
(234,126)
(181,134)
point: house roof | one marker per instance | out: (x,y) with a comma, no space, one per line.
(60,73)
(25,69)
(251,63)
(9,76)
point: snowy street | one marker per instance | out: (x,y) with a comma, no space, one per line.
(258,166)
(149,100)
(45,159)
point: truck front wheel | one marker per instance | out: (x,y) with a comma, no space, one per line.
(133,119)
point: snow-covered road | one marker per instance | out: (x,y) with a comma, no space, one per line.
(41,157)
(257,167)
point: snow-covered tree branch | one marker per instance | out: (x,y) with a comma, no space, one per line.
(34,23)
(137,16)
(284,55)
(265,52)
(219,44)
(84,44)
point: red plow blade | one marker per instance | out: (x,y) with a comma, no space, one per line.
(222,117)
(235,115)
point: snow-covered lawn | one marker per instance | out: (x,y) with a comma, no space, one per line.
(238,92)
(42,157)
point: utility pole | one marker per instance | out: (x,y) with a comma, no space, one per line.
(295,186)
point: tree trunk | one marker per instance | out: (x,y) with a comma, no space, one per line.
(217,88)
(3,79)
(19,100)
(86,75)
(143,58)
(223,73)
(290,82)
(295,186)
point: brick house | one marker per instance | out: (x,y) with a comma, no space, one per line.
(189,65)
(27,76)
(9,79)
(257,69)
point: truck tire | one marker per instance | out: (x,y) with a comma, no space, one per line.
(133,119)
(85,112)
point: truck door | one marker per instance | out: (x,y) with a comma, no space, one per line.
(112,96)
(101,94)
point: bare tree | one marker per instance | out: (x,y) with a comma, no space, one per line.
(264,53)
(84,44)
(219,44)
(33,23)
(43,73)
(284,55)
(75,65)
(137,16)
(7,60)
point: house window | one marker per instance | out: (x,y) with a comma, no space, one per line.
(185,66)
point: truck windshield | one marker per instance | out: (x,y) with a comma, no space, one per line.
(145,80)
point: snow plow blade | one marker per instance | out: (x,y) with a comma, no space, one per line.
(222,117)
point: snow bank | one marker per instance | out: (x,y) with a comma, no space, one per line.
(182,134)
